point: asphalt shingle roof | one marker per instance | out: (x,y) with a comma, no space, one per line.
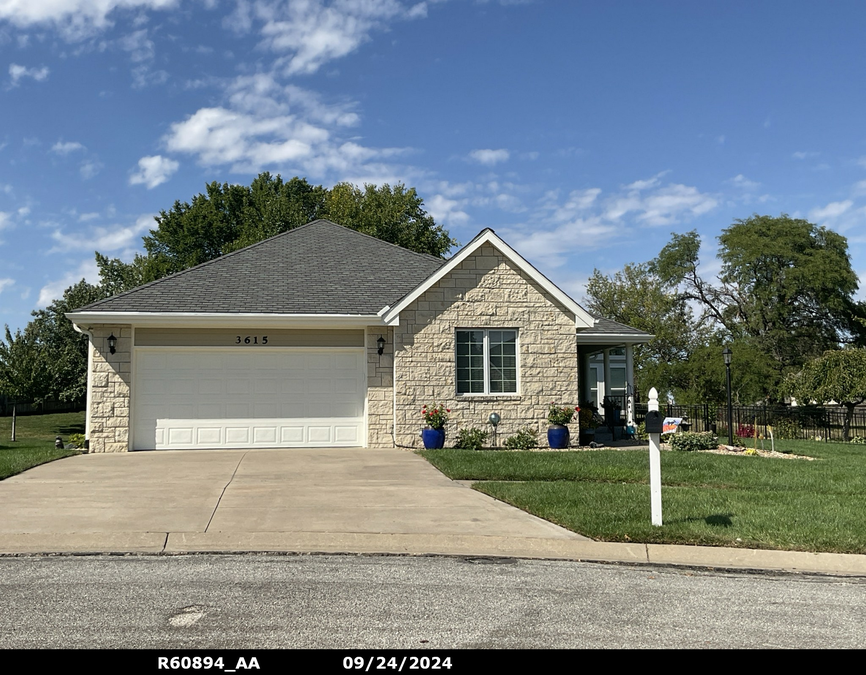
(318,268)
(608,327)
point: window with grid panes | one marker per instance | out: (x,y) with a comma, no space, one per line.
(486,361)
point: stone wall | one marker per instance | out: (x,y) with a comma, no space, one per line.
(109,389)
(485,291)
(380,388)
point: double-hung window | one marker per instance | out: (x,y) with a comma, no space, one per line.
(486,361)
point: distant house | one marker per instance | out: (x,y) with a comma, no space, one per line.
(323,336)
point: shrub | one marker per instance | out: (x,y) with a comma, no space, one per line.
(435,417)
(641,433)
(859,440)
(746,431)
(787,429)
(77,440)
(689,441)
(471,439)
(526,438)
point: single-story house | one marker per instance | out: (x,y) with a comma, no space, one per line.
(323,336)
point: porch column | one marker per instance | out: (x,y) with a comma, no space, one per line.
(607,380)
(629,383)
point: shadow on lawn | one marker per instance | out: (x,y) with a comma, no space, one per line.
(717,519)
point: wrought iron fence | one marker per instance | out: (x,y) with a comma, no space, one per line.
(43,408)
(795,422)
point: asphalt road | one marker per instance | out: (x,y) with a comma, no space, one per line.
(381,602)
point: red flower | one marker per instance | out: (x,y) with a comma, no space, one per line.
(447,409)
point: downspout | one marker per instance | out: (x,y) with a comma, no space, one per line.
(89,335)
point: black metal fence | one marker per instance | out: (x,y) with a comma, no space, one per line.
(43,408)
(795,422)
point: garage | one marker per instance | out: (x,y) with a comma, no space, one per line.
(266,396)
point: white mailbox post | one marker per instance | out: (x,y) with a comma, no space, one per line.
(655,463)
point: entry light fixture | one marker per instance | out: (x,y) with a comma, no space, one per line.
(381,343)
(112,343)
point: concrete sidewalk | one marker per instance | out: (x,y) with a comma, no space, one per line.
(310,501)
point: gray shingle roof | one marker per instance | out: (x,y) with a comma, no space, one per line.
(608,327)
(318,268)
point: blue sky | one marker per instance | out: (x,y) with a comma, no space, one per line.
(584,133)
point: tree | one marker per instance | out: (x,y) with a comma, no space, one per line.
(785,289)
(839,375)
(22,369)
(638,297)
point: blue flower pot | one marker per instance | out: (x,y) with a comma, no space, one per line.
(558,437)
(434,439)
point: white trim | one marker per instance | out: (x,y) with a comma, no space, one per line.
(89,335)
(225,320)
(582,318)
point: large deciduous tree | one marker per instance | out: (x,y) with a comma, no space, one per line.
(839,376)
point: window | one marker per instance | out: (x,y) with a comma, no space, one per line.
(486,361)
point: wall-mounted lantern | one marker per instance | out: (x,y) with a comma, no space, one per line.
(112,344)
(381,343)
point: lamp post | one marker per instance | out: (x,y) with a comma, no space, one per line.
(726,352)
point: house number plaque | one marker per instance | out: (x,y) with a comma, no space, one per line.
(251,340)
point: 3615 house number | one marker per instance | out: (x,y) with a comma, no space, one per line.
(252,340)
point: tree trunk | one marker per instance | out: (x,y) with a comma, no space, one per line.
(14,418)
(849,417)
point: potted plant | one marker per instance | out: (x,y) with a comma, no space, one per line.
(434,434)
(557,434)
(588,421)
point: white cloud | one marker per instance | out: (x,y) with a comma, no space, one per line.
(54,289)
(75,19)
(265,124)
(139,46)
(112,237)
(4,219)
(489,157)
(663,206)
(804,155)
(741,181)
(16,73)
(89,169)
(447,211)
(4,283)
(62,148)
(832,210)
(153,171)
(313,32)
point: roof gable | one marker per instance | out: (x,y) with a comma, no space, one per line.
(582,318)
(320,268)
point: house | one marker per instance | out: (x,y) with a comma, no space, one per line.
(323,336)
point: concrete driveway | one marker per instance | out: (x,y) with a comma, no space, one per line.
(300,500)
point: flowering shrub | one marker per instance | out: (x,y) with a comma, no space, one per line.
(560,416)
(435,417)
(746,431)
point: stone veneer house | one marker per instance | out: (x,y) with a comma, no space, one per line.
(323,336)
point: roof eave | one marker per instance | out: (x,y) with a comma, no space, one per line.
(225,320)
(584,338)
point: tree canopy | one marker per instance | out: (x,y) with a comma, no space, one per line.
(838,375)
(784,295)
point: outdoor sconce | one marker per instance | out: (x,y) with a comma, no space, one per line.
(381,343)
(112,344)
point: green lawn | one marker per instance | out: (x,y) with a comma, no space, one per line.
(707,499)
(35,444)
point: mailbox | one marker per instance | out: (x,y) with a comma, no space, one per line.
(654,422)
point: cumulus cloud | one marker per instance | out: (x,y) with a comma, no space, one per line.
(662,206)
(16,73)
(89,168)
(5,283)
(489,157)
(153,171)
(114,237)
(313,32)
(62,148)
(75,19)
(267,124)
(447,211)
(832,210)
(744,183)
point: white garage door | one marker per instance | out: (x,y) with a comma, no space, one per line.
(273,397)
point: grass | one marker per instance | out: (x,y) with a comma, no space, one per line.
(35,444)
(707,499)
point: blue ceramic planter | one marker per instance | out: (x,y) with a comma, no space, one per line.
(558,437)
(434,439)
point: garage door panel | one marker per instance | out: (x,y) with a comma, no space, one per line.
(194,398)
